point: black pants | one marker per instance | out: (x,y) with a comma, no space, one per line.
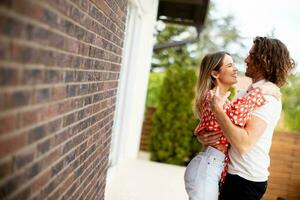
(238,188)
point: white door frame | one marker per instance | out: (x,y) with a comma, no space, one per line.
(133,83)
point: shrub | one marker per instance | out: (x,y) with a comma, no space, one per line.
(171,139)
(154,87)
(291,104)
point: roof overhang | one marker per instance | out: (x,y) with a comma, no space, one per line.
(184,12)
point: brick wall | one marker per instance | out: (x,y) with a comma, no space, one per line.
(59,70)
(146,130)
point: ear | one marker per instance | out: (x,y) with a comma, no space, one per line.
(215,74)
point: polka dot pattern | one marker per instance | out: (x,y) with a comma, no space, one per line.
(239,112)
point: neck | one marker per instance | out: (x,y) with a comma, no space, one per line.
(257,78)
(223,89)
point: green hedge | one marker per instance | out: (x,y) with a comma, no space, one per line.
(171,139)
(291,104)
(154,87)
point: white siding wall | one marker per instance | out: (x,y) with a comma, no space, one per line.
(137,53)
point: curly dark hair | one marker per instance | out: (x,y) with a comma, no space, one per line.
(273,59)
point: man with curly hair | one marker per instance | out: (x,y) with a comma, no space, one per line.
(268,63)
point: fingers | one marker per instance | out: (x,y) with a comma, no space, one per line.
(209,141)
(212,140)
(217,91)
(210,134)
(209,138)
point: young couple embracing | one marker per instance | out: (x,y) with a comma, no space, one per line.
(237,135)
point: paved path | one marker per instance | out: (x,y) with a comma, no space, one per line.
(145,180)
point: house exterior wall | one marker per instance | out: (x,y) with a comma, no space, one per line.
(132,92)
(60,63)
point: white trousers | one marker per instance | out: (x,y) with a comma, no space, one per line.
(203,174)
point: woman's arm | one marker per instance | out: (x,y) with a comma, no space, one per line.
(208,138)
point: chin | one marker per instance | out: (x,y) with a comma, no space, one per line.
(233,83)
(248,74)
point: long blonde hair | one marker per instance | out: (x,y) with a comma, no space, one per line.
(210,62)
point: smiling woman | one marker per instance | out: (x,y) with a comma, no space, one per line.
(216,75)
(215,69)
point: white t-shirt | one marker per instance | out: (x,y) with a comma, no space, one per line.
(254,165)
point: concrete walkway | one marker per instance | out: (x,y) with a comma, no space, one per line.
(142,179)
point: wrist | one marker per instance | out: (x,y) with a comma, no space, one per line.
(217,109)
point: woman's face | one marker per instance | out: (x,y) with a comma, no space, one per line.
(227,75)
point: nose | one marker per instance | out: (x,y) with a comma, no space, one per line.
(246,59)
(235,68)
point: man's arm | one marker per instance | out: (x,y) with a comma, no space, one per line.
(241,138)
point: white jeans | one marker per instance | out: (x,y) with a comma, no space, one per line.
(203,174)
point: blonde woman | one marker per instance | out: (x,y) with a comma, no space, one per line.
(216,75)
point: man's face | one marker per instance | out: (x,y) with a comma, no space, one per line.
(251,68)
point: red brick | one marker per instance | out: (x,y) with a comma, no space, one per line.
(11,27)
(82,4)
(63,187)
(6,167)
(29,117)
(58,93)
(12,144)
(17,99)
(41,96)
(37,133)
(23,194)
(60,5)
(51,52)
(44,146)
(54,125)
(51,157)
(41,181)
(9,76)
(27,8)
(49,111)
(24,157)
(8,123)
(12,184)
(5,49)
(32,76)
(53,76)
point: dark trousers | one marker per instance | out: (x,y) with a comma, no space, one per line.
(238,188)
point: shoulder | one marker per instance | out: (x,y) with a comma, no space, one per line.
(272,101)
(270,111)
(270,89)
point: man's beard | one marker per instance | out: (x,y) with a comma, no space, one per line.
(249,72)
